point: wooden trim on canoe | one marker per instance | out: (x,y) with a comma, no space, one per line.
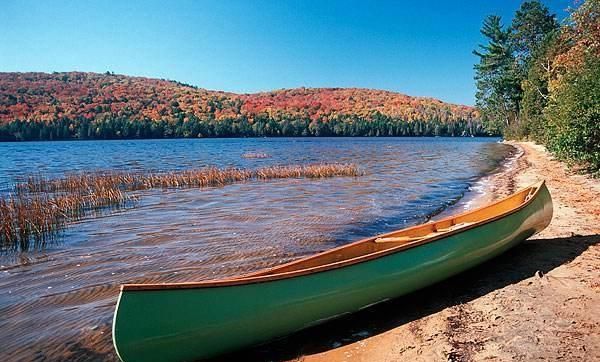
(409,239)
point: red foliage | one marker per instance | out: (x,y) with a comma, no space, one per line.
(46,97)
(319,102)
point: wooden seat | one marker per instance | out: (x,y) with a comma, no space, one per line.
(409,239)
(402,239)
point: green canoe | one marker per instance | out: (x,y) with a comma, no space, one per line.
(192,321)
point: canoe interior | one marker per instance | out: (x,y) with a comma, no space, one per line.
(372,247)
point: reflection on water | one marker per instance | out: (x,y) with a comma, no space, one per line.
(58,303)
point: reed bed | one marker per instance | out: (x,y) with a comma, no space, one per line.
(308,171)
(41,207)
(32,220)
(24,219)
(77,183)
(205,177)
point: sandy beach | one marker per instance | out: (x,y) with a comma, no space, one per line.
(539,301)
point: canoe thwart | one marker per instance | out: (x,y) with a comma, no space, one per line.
(409,239)
(401,239)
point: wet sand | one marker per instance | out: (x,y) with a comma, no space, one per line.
(538,301)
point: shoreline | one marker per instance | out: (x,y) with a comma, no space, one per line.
(537,301)
(488,187)
(500,182)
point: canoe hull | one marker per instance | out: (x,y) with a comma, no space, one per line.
(198,323)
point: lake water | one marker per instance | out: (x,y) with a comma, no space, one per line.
(57,303)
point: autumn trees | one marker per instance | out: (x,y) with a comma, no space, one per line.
(538,80)
(39,106)
(573,110)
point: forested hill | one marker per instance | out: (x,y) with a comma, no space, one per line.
(77,105)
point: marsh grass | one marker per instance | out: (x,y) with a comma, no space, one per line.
(308,171)
(33,220)
(41,207)
(107,182)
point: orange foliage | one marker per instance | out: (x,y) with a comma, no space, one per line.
(46,97)
(577,41)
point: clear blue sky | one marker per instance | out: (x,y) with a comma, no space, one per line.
(416,47)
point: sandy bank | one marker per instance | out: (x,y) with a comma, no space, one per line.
(538,301)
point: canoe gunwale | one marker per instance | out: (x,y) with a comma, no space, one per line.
(253,278)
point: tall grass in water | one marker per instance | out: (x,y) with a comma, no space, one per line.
(23,219)
(205,177)
(32,220)
(41,207)
(309,171)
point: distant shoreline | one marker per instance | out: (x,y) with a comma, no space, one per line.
(241,137)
